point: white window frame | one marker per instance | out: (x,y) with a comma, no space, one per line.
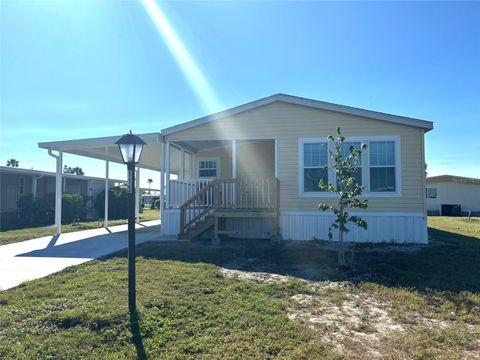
(210,158)
(365,167)
(427,193)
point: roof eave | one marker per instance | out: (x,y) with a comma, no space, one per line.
(375,115)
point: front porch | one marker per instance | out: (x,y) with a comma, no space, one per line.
(228,186)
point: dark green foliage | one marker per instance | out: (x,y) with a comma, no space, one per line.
(73,208)
(155,203)
(12,162)
(74,171)
(41,211)
(117,203)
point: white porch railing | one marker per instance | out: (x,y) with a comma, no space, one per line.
(182,190)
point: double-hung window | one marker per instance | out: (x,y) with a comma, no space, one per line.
(382,166)
(315,158)
(207,168)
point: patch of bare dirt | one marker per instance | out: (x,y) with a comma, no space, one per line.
(259,277)
(356,324)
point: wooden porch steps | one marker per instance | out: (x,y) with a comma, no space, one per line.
(199,228)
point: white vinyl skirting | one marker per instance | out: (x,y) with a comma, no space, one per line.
(399,228)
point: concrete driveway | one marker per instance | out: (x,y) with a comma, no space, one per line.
(33,259)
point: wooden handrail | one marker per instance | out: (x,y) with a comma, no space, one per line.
(190,204)
(230,194)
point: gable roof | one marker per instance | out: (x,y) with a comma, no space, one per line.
(296,100)
(453,178)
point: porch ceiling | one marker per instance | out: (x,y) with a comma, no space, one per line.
(98,148)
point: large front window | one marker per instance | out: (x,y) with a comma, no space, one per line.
(378,168)
(315,158)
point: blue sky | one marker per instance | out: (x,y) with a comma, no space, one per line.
(85,69)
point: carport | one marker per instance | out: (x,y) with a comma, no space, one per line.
(157,155)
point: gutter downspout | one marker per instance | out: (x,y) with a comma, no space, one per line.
(58,190)
(34,184)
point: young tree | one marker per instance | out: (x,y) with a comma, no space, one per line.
(12,162)
(150,181)
(345,164)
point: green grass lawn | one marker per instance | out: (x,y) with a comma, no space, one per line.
(11,236)
(404,302)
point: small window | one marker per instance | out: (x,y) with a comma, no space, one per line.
(207,168)
(382,166)
(315,158)
(431,193)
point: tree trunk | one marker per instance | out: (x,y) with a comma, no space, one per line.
(341,247)
(341,250)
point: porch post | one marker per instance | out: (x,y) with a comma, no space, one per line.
(234,159)
(276,159)
(162,185)
(182,164)
(105,216)
(194,166)
(167,174)
(137,195)
(58,193)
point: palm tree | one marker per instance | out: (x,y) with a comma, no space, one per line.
(150,181)
(12,162)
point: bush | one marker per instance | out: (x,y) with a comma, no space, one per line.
(73,207)
(41,211)
(155,203)
(117,203)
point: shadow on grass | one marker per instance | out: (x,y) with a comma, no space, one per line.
(449,263)
(137,336)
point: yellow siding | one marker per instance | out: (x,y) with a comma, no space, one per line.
(287,123)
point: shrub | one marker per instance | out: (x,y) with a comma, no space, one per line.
(155,203)
(41,211)
(117,203)
(73,207)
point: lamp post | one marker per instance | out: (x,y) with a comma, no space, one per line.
(131,147)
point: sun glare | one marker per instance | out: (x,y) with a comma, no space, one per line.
(195,77)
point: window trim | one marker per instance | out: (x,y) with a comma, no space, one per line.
(208,158)
(365,167)
(427,193)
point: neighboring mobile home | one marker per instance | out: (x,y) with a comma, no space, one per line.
(253,170)
(451,195)
(18,182)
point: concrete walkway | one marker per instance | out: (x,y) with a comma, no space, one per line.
(37,258)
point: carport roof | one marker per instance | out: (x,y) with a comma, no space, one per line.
(104,148)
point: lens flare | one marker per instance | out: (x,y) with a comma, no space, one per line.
(194,75)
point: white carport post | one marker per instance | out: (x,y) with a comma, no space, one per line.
(167,173)
(234,159)
(105,218)
(137,196)
(58,190)
(162,183)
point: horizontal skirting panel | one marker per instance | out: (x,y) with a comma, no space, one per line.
(171,222)
(395,227)
(388,227)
